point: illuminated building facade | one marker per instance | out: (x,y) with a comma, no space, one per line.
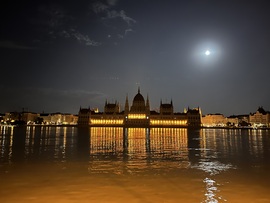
(214,120)
(140,115)
(139,112)
(260,118)
(58,118)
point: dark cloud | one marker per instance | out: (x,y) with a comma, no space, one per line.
(108,14)
(84,39)
(59,22)
(13,45)
(128,30)
(53,16)
(120,14)
(99,7)
(112,2)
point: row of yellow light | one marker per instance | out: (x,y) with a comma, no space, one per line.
(136,116)
(107,121)
(168,122)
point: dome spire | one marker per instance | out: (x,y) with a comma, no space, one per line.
(139,91)
(138,104)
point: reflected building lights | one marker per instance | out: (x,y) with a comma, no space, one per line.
(170,137)
(231,142)
(137,141)
(63,147)
(10,144)
(28,139)
(2,141)
(106,140)
(128,143)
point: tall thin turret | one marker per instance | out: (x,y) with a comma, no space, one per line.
(126,106)
(147,106)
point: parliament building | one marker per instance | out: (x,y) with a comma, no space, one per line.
(139,115)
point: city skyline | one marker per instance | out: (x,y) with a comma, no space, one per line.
(58,55)
(129,100)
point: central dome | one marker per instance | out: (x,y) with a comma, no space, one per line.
(138,98)
(138,104)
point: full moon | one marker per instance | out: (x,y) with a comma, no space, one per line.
(207,52)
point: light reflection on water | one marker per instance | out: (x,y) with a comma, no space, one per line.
(171,164)
(211,191)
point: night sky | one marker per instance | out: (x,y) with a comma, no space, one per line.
(60,55)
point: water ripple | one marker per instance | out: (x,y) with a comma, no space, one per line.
(212,167)
(211,189)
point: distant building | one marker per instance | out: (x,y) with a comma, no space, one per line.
(194,117)
(11,117)
(58,119)
(84,116)
(29,117)
(111,108)
(20,118)
(214,120)
(233,121)
(243,120)
(69,119)
(139,115)
(260,118)
(2,118)
(46,118)
(166,109)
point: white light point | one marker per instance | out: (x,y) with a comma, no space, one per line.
(207,52)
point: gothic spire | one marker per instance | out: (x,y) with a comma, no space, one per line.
(147,101)
(147,105)
(126,105)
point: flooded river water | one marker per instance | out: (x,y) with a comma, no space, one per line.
(70,164)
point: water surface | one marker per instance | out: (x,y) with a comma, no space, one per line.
(70,164)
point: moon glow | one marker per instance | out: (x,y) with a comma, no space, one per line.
(207,52)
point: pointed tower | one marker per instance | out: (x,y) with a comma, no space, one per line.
(160,107)
(126,106)
(105,107)
(147,106)
(172,111)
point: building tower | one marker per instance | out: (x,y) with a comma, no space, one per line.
(166,108)
(111,108)
(139,112)
(147,106)
(126,106)
(138,105)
